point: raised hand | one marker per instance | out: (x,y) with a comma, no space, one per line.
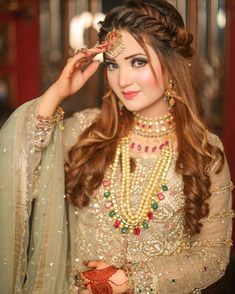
(76,72)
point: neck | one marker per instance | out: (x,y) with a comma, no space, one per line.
(154,111)
(148,134)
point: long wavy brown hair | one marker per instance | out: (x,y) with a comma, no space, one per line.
(159,24)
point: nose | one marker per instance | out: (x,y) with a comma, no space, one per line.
(124,78)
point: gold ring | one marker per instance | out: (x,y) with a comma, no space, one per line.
(80,50)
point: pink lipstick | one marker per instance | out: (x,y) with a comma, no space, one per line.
(130,94)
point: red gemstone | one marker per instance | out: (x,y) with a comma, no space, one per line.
(150,215)
(160,196)
(166,143)
(136,231)
(106,183)
(154,149)
(117,224)
(109,204)
(139,147)
(132,145)
(146,149)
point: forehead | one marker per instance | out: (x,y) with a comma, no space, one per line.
(129,41)
(133,47)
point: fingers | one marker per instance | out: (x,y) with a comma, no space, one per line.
(83,58)
(87,53)
(93,263)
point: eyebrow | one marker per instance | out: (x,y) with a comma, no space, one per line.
(128,57)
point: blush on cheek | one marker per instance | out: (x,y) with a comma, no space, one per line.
(148,79)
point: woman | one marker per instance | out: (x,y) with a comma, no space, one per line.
(147,186)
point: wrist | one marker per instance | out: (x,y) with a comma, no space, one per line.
(129,277)
(49,102)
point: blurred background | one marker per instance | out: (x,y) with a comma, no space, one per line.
(37,37)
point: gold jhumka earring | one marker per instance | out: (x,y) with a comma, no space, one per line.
(114,38)
(169,95)
(120,108)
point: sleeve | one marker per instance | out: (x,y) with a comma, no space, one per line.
(206,260)
(33,227)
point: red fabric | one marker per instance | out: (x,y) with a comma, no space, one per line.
(229,122)
(27,56)
(23,69)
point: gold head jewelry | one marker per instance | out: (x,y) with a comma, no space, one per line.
(114,38)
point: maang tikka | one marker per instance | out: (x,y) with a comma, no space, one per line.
(114,38)
(169,95)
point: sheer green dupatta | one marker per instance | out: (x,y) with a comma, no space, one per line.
(33,234)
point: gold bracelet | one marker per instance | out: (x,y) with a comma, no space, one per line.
(56,117)
(130,282)
(79,282)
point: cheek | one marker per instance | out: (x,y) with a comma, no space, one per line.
(148,79)
(111,80)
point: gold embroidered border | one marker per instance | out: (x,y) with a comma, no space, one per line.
(222,188)
(218,216)
(213,243)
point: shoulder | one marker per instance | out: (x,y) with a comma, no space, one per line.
(75,125)
(81,120)
(223,175)
(214,140)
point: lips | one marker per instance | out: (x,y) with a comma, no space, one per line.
(130,94)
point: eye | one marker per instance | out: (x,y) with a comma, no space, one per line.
(139,62)
(110,65)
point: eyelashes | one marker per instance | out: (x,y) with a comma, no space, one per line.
(139,62)
(136,62)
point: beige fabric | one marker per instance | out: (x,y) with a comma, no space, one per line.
(163,258)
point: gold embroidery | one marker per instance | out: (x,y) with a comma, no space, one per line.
(222,188)
(221,242)
(215,140)
(218,216)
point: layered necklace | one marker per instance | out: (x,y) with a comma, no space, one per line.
(119,204)
(150,133)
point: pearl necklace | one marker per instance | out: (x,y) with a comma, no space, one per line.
(125,219)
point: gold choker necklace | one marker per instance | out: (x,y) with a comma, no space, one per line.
(153,127)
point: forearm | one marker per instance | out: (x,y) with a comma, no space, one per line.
(49,102)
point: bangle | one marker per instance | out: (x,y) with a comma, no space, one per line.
(56,117)
(79,282)
(130,282)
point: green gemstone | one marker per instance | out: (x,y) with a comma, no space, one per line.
(106,194)
(124,230)
(112,213)
(145,225)
(164,188)
(154,206)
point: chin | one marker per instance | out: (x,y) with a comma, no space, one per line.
(134,107)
